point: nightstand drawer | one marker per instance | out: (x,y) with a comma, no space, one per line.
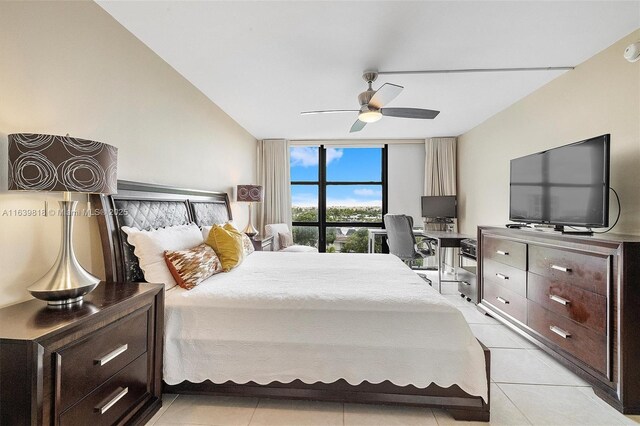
(88,363)
(113,399)
(263,244)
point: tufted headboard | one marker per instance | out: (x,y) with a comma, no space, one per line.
(147,206)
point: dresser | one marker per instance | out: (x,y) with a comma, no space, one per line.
(577,297)
(99,363)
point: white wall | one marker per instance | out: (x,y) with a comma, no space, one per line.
(602,95)
(69,67)
(406,179)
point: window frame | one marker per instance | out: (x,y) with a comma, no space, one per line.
(322,185)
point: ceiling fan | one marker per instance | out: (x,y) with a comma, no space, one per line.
(372,104)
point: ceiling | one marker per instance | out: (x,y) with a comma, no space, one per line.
(263,62)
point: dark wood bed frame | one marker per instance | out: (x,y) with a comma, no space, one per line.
(190,205)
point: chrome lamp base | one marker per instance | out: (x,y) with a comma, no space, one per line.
(67,282)
(250,230)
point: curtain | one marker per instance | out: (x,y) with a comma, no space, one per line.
(274,176)
(440,166)
(440,177)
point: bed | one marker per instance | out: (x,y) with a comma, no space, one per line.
(336,327)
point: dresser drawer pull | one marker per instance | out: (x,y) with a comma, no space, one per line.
(560,332)
(560,300)
(501,300)
(560,268)
(103,409)
(465,283)
(502,276)
(502,253)
(112,355)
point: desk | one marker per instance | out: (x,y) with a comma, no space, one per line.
(445,239)
(374,232)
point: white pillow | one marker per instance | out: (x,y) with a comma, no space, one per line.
(149,247)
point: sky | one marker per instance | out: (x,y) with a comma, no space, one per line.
(343,164)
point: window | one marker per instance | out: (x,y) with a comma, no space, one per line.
(336,195)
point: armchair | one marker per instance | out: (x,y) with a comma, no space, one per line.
(275,229)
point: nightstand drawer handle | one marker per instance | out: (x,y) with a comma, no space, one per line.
(560,332)
(501,300)
(113,400)
(560,268)
(502,276)
(465,283)
(112,355)
(502,253)
(560,300)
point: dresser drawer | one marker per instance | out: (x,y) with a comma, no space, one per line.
(505,251)
(586,308)
(507,276)
(115,398)
(584,344)
(587,271)
(88,363)
(505,300)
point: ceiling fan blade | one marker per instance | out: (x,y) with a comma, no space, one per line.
(410,113)
(329,111)
(384,95)
(357,126)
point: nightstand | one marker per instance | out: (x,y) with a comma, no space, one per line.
(98,363)
(263,243)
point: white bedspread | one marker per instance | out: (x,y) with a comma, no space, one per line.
(320,317)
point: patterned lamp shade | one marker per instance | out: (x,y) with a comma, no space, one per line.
(61,163)
(249,193)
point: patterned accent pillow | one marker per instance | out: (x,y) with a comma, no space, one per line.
(247,245)
(192,266)
(285,239)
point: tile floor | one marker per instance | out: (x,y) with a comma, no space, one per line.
(543,393)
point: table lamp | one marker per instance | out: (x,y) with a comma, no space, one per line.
(62,164)
(250,194)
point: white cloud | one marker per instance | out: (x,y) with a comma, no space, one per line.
(333,154)
(304,156)
(366,192)
(307,156)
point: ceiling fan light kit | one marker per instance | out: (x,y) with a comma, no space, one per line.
(369,116)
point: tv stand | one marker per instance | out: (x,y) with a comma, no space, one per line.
(572,231)
(576,297)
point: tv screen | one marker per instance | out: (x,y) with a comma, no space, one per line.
(439,206)
(568,185)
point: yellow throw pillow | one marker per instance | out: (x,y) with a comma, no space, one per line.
(226,241)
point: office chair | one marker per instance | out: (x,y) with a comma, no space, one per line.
(402,240)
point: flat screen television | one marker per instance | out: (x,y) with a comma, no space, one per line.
(568,185)
(440,207)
